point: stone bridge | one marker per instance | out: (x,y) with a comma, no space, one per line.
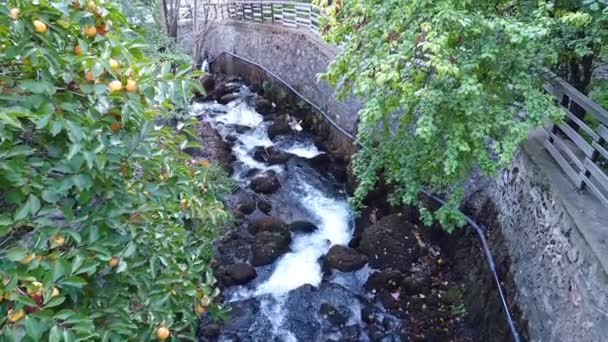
(544,213)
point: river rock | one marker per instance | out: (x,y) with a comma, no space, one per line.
(210,331)
(325,163)
(302,227)
(245,204)
(233,247)
(267,184)
(332,315)
(208,82)
(387,280)
(235,274)
(240,129)
(415,285)
(280,126)
(264,206)
(267,224)
(225,99)
(270,155)
(222,89)
(344,259)
(263,106)
(390,244)
(269,246)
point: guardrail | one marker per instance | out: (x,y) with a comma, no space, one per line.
(292,14)
(580,144)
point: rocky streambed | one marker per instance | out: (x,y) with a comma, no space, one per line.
(297,265)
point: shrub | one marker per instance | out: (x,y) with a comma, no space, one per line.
(105,223)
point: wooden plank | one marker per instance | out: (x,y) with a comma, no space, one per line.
(574,176)
(582,125)
(597,173)
(597,192)
(561,145)
(586,103)
(600,149)
(603,132)
(577,139)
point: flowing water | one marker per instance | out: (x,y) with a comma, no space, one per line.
(275,298)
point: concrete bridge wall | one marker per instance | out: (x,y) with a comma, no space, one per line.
(555,239)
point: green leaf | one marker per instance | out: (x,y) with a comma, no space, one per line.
(38,86)
(15,254)
(74,282)
(33,328)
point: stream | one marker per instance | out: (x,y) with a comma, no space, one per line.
(297,265)
(291,298)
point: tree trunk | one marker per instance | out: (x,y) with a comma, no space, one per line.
(174,19)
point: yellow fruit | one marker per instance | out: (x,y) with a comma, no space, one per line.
(114,64)
(162,333)
(205,301)
(131,86)
(58,240)
(15,13)
(39,26)
(89,76)
(200,310)
(90,31)
(113,262)
(15,316)
(115,86)
(55,292)
(91,6)
(27,259)
(77,50)
(34,288)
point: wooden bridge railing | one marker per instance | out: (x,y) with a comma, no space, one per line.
(292,14)
(580,144)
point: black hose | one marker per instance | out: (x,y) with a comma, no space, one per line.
(491,265)
(484,244)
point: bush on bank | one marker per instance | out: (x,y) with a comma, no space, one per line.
(105,224)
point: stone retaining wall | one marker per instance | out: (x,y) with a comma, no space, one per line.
(296,57)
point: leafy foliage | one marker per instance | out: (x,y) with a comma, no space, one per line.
(448,86)
(105,223)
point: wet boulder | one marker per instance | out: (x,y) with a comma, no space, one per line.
(235,274)
(208,82)
(245,204)
(384,280)
(266,184)
(415,285)
(345,259)
(233,247)
(267,224)
(269,246)
(270,155)
(390,244)
(280,126)
(302,227)
(226,88)
(225,99)
(332,314)
(264,206)
(263,106)
(210,332)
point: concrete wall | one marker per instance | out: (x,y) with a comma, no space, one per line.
(296,57)
(556,238)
